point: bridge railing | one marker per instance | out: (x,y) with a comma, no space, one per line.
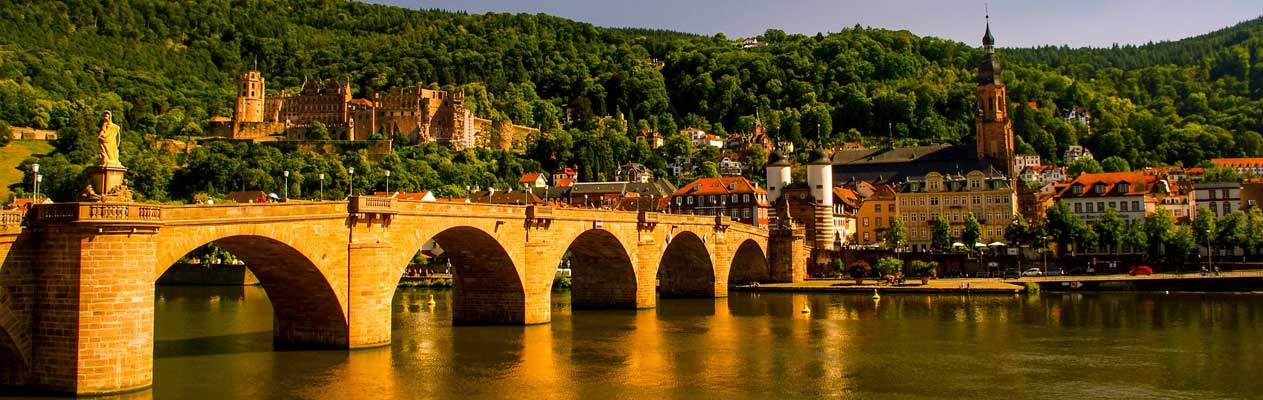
(96,212)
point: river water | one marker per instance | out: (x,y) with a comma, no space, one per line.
(215,343)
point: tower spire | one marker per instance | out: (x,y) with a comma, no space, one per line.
(988,41)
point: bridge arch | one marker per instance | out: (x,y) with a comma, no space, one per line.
(749,264)
(603,275)
(686,269)
(486,286)
(13,360)
(307,312)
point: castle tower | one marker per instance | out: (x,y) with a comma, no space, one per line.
(778,175)
(995,130)
(820,180)
(250,97)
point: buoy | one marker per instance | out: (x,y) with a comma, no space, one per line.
(875,295)
(806,309)
(430,302)
(1168,292)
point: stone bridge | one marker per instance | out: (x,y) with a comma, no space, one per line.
(77,279)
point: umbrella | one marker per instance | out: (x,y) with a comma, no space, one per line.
(994,244)
(273,195)
(980,245)
(958,244)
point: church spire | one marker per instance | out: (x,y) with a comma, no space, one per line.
(988,41)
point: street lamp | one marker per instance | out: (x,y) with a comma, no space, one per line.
(286,173)
(1044,251)
(351,181)
(388,182)
(322,187)
(34,183)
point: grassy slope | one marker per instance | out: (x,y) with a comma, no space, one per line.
(12,155)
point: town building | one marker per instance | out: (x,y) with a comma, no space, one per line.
(613,195)
(736,197)
(1043,174)
(1133,195)
(827,212)
(700,138)
(565,176)
(533,180)
(1251,166)
(652,138)
(987,195)
(876,213)
(1026,160)
(730,165)
(633,172)
(1075,153)
(1221,198)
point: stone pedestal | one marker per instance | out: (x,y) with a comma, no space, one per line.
(106,184)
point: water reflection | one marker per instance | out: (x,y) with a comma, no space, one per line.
(216,343)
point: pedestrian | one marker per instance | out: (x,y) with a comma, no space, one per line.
(1216,270)
(1203,271)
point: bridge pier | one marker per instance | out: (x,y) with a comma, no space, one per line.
(371,283)
(93,332)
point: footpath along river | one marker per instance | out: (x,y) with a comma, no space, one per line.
(215,343)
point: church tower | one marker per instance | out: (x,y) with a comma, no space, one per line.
(995,130)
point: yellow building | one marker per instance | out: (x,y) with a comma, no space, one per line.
(989,196)
(875,214)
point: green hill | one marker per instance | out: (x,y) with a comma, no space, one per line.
(165,68)
(11,158)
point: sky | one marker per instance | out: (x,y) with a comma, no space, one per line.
(1015,23)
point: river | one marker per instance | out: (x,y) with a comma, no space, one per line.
(215,343)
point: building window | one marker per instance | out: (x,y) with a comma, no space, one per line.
(1122,206)
(877,207)
(712,199)
(866,224)
(745,198)
(690,200)
(934,201)
(1113,205)
(866,237)
(1100,206)
(1078,208)
(1135,205)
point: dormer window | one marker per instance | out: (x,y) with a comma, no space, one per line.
(1076,189)
(1124,187)
(697,187)
(1098,188)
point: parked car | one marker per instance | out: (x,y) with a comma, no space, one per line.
(982,274)
(1033,272)
(1011,273)
(1141,270)
(1055,271)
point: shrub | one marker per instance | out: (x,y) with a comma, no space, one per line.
(839,267)
(561,282)
(924,268)
(889,266)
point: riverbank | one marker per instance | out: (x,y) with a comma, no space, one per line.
(912,286)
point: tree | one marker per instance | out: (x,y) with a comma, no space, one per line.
(317,131)
(1062,224)
(896,234)
(972,231)
(1256,230)
(1159,227)
(6,135)
(1115,164)
(1221,174)
(1134,237)
(1018,231)
(1084,165)
(709,170)
(1231,230)
(1109,230)
(942,239)
(1204,228)
(1180,246)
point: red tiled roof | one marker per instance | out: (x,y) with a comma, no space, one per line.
(1138,184)
(564,183)
(1239,162)
(708,186)
(530,177)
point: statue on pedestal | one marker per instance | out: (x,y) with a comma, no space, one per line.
(109,141)
(105,180)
